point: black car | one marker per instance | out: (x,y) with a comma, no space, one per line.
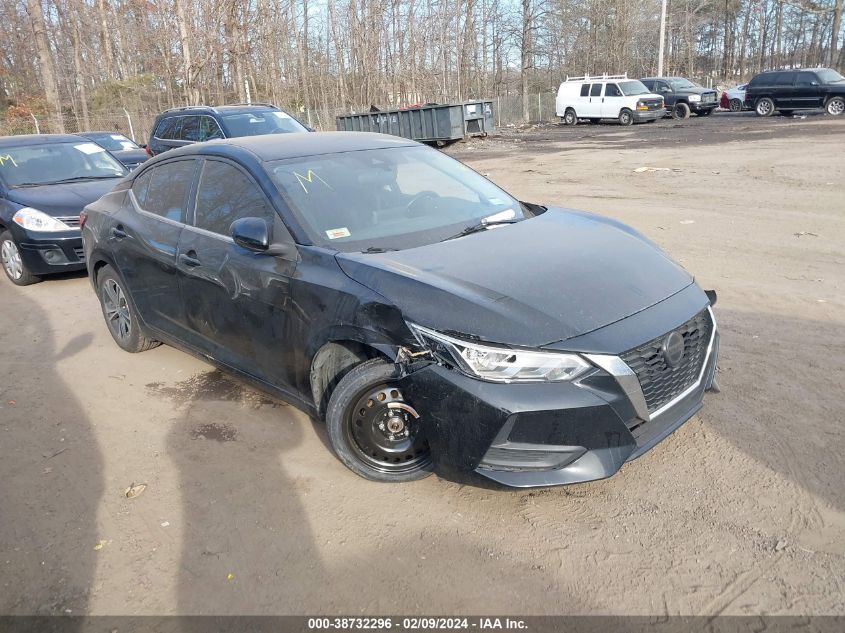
(789,90)
(433,321)
(45,181)
(682,96)
(192,124)
(126,151)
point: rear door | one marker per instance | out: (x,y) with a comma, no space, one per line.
(144,236)
(784,92)
(236,301)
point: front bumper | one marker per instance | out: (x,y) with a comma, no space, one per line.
(649,115)
(545,434)
(700,106)
(49,253)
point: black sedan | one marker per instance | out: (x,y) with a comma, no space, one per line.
(129,153)
(432,320)
(45,181)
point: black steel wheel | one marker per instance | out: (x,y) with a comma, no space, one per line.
(373,429)
(681,111)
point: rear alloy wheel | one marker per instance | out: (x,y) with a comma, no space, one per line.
(120,314)
(626,118)
(735,105)
(835,106)
(373,430)
(765,107)
(569,117)
(681,111)
(13,265)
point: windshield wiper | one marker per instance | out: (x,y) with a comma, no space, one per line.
(24,185)
(481,226)
(81,178)
(379,249)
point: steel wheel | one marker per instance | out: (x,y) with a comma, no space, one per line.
(836,106)
(11,258)
(384,431)
(116,308)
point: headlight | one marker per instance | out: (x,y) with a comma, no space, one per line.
(695,98)
(501,364)
(35,220)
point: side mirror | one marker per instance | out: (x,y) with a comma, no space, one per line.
(253,234)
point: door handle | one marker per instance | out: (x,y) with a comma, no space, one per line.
(190,262)
(118,232)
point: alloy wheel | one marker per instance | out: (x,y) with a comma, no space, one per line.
(11,258)
(117,310)
(835,107)
(736,105)
(384,431)
(764,107)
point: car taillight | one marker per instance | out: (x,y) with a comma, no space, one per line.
(82,217)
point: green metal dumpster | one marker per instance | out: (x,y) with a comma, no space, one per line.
(430,123)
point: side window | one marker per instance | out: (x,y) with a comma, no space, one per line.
(226,194)
(784,79)
(169,128)
(662,87)
(190,128)
(807,79)
(168,188)
(585,90)
(140,186)
(612,90)
(209,129)
(595,91)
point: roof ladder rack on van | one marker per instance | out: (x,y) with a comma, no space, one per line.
(604,76)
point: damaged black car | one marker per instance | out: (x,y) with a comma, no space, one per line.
(434,322)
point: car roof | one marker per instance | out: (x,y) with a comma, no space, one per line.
(39,139)
(269,147)
(93,132)
(237,108)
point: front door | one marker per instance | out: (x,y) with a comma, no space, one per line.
(236,301)
(148,228)
(611,101)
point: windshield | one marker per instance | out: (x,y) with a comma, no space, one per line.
(681,84)
(262,122)
(633,88)
(112,142)
(392,198)
(31,165)
(828,76)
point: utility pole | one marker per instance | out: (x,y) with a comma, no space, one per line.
(662,38)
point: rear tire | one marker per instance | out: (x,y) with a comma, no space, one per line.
(569,117)
(13,266)
(735,105)
(681,111)
(835,106)
(626,118)
(764,107)
(120,314)
(359,418)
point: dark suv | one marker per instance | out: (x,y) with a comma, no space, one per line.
(682,96)
(194,124)
(788,90)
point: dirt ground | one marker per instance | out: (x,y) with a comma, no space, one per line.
(246,511)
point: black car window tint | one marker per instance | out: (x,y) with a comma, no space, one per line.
(190,128)
(595,91)
(139,187)
(784,79)
(209,129)
(226,194)
(612,90)
(168,128)
(168,187)
(806,79)
(585,90)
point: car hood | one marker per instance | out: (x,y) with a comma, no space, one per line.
(62,200)
(698,90)
(537,282)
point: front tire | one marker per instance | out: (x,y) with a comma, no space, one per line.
(681,111)
(835,106)
(626,118)
(569,117)
(120,313)
(764,107)
(13,266)
(735,105)
(373,430)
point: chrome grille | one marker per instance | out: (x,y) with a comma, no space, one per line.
(708,97)
(70,220)
(659,381)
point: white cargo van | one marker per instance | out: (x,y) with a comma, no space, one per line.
(607,97)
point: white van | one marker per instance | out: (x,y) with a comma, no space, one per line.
(607,97)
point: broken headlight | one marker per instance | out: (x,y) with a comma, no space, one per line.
(501,364)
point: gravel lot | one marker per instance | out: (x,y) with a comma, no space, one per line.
(741,511)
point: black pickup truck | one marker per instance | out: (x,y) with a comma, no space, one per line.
(682,96)
(788,90)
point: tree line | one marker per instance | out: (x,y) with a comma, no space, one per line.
(77,57)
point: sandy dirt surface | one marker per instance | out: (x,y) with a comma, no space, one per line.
(246,510)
